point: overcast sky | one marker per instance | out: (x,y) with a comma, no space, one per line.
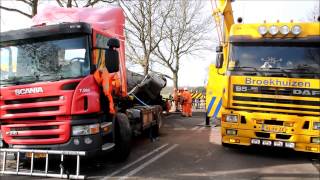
(194,69)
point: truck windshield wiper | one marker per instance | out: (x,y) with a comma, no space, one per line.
(245,67)
(21,79)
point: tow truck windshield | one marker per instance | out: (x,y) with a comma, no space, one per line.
(291,57)
(33,60)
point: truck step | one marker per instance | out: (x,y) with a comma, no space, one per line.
(107,146)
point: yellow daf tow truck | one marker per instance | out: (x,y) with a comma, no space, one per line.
(265,84)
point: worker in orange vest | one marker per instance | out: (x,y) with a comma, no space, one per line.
(187,103)
(176,99)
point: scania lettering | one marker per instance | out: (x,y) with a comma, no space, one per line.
(29,91)
(265,84)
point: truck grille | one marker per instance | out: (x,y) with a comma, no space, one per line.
(275,99)
(32,100)
(30,110)
(40,132)
(33,107)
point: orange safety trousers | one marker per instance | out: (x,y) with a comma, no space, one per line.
(103,79)
(187,104)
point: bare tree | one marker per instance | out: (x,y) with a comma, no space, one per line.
(33,4)
(81,3)
(144,28)
(186,34)
(314,14)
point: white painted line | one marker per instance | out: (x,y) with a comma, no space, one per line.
(194,128)
(202,128)
(180,128)
(139,168)
(135,162)
(215,136)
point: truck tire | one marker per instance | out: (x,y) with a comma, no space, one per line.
(122,132)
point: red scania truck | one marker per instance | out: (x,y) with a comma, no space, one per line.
(49,97)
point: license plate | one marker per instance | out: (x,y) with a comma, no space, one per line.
(36,155)
(271,128)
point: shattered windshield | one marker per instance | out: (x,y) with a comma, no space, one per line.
(262,56)
(33,61)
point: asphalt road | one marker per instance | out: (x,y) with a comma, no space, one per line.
(188,150)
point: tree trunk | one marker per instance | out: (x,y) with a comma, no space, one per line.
(146,65)
(34,7)
(69,4)
(175,80)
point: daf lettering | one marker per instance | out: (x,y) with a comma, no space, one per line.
(24,91)
(306,92)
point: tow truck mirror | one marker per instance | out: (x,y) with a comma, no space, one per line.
(219,60)
(112,60)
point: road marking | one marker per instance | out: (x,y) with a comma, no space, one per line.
(200,129)
(135,162)
(194,128)
(215,136)
(139,168)
(179,128)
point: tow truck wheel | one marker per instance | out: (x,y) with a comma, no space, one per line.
(122,138)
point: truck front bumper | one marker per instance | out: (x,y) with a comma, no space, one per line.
(89,143)
(248,138)
(270,129)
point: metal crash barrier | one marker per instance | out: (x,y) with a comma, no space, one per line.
(46,172)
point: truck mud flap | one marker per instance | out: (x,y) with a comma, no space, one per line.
(45,172)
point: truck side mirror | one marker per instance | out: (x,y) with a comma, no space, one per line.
(219,60)
(112,55)
(112,60)
(113,43)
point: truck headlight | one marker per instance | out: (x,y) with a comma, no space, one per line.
(263,30)
(85,129)
(284,30)
(273,30)
(296,30)
(316,125)
(232,118)
(315,140)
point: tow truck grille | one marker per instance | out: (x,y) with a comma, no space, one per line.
(275,99)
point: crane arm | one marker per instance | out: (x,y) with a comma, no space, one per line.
(224,8)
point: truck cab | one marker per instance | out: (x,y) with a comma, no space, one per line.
(265,85)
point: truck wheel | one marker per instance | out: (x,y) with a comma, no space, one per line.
(122,138)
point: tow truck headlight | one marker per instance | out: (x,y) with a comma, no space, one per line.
(263,30)
(232,118)
(315,140)
(273,30)
(231,132)
(296,30)
(316,125)
(255,141)
(85,129)
(278,143)
(266,143)
(284,30)
(289,145)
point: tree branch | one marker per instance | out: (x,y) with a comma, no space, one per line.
(16,10)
